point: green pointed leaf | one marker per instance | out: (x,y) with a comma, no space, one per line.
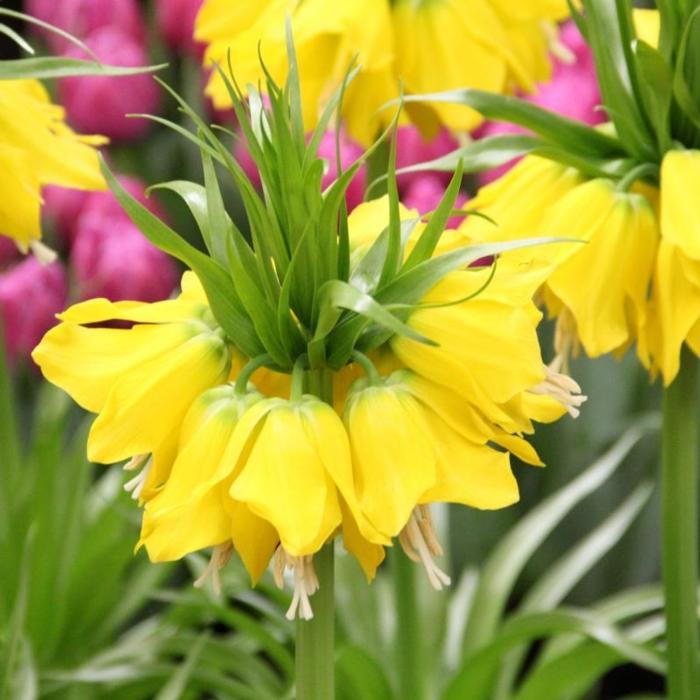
(567,572)
(360,676)
(473,681)
(507,560)
(217,284)
(479,155)
(336,296)
(411,286)
(551,127)
(44,67)
(430,237)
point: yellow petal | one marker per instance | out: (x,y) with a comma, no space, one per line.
(680,189)
(87,362)
(475,475)
(609,275)
(285,481)
(392,454)
(164,388)
(368,555)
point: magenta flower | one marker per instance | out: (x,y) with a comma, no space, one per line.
(175,20)
(350,151)
(8,251)
(412,148)
(31,294)
(62,207)
(111,258)
(424,194)
(573,92)
(99,105)
(82,17)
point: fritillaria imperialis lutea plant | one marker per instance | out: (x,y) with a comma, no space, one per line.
(324,375)
(630,189)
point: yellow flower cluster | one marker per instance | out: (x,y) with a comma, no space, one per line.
(252,469)
(637,278)
(37,148)
(422,45)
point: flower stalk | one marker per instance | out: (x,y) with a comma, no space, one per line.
(409,656)
(679,496)
(315,638)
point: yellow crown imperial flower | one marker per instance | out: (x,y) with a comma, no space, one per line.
(425,45)
(37,148)
(193,509)
(597,290)
(172,351)
(236,388)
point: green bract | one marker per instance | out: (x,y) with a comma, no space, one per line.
(288,287)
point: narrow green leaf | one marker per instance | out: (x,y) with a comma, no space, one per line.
(17,38)
(479,155)
(336,295)
(551,127)
(217,284)
(360,676)
(473,681)
(568,571)
(43,67)
(411,286)
(507,560)
(429,239)
(177,684)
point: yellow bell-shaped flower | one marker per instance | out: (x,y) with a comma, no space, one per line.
(142,379)
(37,148)
(193,510)
(427,46)
(675,310)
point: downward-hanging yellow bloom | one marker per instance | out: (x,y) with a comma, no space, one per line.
(140,380)
(599,288)
(37,148)
(425,45)
(675,309)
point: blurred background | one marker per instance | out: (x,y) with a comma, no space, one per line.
(81,615)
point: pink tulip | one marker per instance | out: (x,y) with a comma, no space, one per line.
(31,294)
(572,91)
(411,148)
(111,258)
(82,17)
(349,153)
(105,204)
(8,250)
(62,207)
(65,207)
(425,193)
(99,105)
(175,20)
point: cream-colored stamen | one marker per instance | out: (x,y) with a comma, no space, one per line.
(305,582)
(419,541)
(556,47)
(135,486)
(42,252)
(220,556)
(561,387)
(566,342)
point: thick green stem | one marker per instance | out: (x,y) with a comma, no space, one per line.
(315,637)
(679,496)
(409,651)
